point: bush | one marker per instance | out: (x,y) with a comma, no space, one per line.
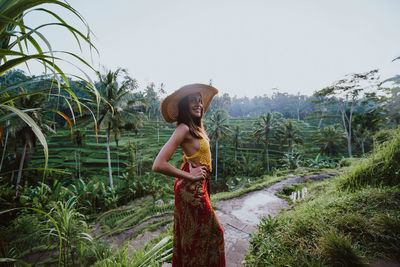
(24,233)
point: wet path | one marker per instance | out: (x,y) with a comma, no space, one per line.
(239,216)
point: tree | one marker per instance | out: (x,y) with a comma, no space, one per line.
(219,128)
(118,109)
(236,138)
(153,101)
(25,134)
(390,103)
(345,94)
(15,35)
(289,133)
(365,126)
(220,102)
(330,138)
(263,130)
(77,139)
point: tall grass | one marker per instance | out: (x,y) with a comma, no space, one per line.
(330,227)
(379,169)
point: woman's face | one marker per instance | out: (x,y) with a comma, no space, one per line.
(196,105)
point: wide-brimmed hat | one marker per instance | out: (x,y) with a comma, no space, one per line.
(169,105)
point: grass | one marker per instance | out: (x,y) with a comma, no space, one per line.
(257,183)
(381,168)
(149,255)
(348,220)
(151,227)
(122,220)
(358,225)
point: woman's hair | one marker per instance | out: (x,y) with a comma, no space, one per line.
(195,124)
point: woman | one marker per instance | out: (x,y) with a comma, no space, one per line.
(198,235)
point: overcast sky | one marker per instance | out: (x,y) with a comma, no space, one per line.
(247,47)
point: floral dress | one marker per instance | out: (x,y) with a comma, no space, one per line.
(198,236)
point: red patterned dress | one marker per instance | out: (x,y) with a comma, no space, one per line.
(198,235)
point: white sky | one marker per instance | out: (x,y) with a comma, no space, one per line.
(247,47)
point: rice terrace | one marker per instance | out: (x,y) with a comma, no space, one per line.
(304,132)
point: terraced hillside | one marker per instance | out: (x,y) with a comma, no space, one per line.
(139,150)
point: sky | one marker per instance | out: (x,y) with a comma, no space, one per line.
(246,47)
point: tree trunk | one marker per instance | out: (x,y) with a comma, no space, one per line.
(4,151)
(79,163)
(319,124)
(266,151)
(109,162)
(21,166)
(158,132)
(140,164)
(118,161)
(349,129)
(349,145)
(373,143)
(362,148)
(235,154)
(76,163)
(216,160)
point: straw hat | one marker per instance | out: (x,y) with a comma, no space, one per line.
(169,105)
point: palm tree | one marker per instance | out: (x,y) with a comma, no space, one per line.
(263,130)
(15,35)
(290,134)
(365,125)
(219,128)
(330,138)
(236,138)
(78,141)
(23,133)
(118,107)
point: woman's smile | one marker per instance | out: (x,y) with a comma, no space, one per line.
(196,105)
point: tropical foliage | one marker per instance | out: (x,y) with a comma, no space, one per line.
(94,131)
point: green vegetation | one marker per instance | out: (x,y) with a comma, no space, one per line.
(342,222)
(94,181)
(380,169)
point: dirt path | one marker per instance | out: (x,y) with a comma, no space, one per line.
(239,216)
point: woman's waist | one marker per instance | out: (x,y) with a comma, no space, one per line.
(198,164)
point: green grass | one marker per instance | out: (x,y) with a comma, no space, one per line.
(381,168)
(344,221)
(257,183)
(151,227)
(121,220)
(359,225)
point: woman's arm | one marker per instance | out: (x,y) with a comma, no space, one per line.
(161,164)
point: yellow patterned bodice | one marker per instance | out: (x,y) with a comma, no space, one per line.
(204,154)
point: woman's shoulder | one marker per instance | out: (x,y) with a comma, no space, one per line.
(182,128)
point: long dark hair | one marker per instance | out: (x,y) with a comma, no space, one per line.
(195,125)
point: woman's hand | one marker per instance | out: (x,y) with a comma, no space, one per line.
(197,173)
